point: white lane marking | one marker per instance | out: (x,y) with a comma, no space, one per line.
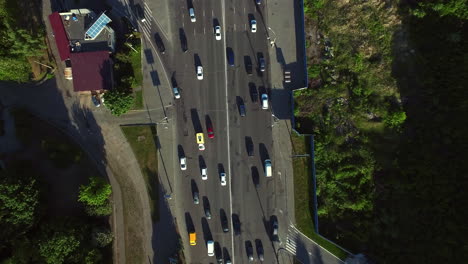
(244,10)
(204,30)
(234,10)
(212,13)
(223,14)
(194,32)
(147,8)
(234,27)
(203,12)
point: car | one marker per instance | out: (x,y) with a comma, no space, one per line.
(207,213)
(264,101)
(249,249)
(159,43)
(183,163)
(274,228)
(253,93)
(96,101)
(176,92)
(258,2)
(249,146)
(222,177)
(262,63)
(224,221)
(253,25)
(242,109)
(227,260)
(204,174)
(192,15)
(200,73)
(200,141)
(210,247)
(287,76)
(230,57)
(259,249)
(236,224)
(210,132)
(248,66)
(217,30)
(196,200)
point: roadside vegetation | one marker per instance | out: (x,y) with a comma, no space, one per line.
(142,139)
(303,196)
(128,78)
(23,51)
(41,220)
(384,102)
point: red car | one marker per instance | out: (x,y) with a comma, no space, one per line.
(210,132)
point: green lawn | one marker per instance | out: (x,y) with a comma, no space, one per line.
(303,196)
(135,59)
(142,139)
(138,100)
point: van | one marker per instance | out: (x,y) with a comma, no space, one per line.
(264,101)
(210,246)
(268,168)
(192,15)
(193,238)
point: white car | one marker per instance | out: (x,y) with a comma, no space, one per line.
(176,92)
(264,101)
(253,26)
(200,73)
(218,32)
(183,163)
(222,177)
(192,15)
(204,174)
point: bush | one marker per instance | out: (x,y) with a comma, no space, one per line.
(118,102)
(102,237)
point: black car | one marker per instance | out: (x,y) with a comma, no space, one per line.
(253,93)
(159,43)
(224,222)
(259,245)
(249,250)
(248,65)
(236,223)
(249,146)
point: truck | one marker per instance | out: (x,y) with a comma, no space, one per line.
(268,169)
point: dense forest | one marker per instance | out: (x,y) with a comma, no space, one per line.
(386,104)
(53,209)
(22,40)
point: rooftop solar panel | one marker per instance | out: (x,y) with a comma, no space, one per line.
(97,26)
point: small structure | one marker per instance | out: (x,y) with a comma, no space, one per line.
(84,41)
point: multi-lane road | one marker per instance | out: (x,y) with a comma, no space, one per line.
(214,101)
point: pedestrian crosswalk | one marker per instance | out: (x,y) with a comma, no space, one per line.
(291,239)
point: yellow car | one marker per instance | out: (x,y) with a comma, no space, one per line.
(200,141)
(193,238)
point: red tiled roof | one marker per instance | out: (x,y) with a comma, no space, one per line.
(61,38)
(91,71)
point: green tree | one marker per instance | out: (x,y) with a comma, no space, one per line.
(118,102)
(101,237)
(101,210)
(96,193)
(58,247)
(19,198)
(93,256)
(457,8)
(395,119)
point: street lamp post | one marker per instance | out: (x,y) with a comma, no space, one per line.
(272,41)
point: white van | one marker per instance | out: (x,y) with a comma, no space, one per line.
(192,15)
(268,168)
(264,101)
(210,246)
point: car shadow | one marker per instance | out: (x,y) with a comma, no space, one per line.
(206,230)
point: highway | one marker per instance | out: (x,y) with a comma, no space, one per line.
(215,100)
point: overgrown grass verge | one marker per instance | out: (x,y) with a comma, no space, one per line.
(138,100)
(303,196)
(142,139)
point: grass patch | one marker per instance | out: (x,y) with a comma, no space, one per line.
(135,60)
(138,100)
(142,139)
(303,197)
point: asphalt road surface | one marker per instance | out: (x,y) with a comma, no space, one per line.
(215,100)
